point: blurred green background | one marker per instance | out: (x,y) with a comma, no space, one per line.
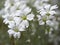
(4,37)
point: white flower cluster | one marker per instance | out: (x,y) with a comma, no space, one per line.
(18,14)
(46,12)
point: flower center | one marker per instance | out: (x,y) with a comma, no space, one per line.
(16,29)
(44,19)
(17,9)
(48,14)
(24,17)
(12,4)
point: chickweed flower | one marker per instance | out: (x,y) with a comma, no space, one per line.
(18,15)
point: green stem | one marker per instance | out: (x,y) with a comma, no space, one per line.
(16,41)
(12,40)
(44,36)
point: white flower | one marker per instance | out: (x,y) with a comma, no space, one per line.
(48,10)
(17,34)
(8,18)
(7,4)
(11,32)
(39,17)
(30,17)
(50,23)
(24,24)
(20,5)
(26,19)
(17,20)
(54,7)
(42,19)
(41,22)
(14,33)
(27,10)
(49,20)
(11,24)
(39,4)
(27,16)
